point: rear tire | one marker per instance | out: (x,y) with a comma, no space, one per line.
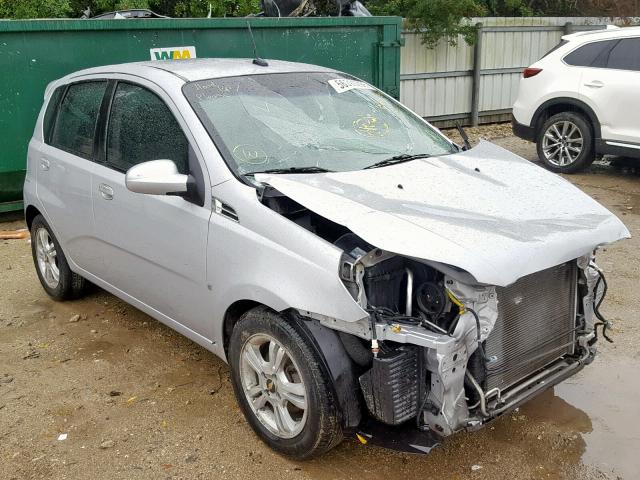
(52,268)
(565,143)
(282,386)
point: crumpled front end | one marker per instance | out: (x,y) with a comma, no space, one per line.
(449,354)
(478,289)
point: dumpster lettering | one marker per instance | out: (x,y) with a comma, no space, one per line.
(172,53)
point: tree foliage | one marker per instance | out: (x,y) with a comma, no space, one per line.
(34,8)
(449,19)
(435,18)
(171,8)
(220,8)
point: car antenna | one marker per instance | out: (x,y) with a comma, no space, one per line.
(256,59)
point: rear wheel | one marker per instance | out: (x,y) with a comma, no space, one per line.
(285,393)
(52,268)
(565,143)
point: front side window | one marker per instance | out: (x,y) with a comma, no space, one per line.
(625,55)
(591,55)
(297,120)
(75,125)
(142,128)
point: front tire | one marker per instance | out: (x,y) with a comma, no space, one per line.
(282,385)
(565,143)
(52,268)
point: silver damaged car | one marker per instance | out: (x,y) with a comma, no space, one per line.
(360,273)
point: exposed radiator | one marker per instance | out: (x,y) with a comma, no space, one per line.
(535,325)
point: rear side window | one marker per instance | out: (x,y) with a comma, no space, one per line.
(75,124)
(625,55)
(49,115)
(142,128)
(591,55)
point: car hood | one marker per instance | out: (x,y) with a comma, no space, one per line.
(486,211)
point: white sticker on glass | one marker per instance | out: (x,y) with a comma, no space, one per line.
(341,85)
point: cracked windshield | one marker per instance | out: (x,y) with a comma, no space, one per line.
(320,121)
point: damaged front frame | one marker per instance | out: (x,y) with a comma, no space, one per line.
(446,410)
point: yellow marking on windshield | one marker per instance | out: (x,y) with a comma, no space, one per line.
(369,126)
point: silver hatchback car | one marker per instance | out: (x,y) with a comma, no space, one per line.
(360,273)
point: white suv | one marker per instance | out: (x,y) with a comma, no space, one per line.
(582,99)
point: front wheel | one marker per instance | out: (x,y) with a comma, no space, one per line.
(565,143)
(282,386)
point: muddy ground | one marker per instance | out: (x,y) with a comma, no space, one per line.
(137,400)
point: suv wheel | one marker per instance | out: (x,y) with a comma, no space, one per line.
(565,143)
(283,389)
(54,273)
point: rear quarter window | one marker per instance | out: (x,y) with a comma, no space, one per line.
(75,124)
(50,114)
(591,55)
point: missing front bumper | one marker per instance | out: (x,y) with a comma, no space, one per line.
(409,438)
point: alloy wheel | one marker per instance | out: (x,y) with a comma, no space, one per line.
(273,385)
(47,258)
(562,143)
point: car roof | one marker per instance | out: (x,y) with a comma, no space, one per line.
(610,32)
(202,68)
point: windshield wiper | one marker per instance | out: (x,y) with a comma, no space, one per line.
(397,159)
(310,169)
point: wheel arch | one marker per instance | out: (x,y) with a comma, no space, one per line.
(233,313)
(566,104)
(30,213)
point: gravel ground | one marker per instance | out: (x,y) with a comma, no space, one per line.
(137,400)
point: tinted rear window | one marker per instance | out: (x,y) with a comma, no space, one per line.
(590,55)
(625,55)
(76,120)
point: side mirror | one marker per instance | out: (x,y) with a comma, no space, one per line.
(157,177)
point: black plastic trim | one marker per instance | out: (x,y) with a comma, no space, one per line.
(523,131)
(99,150)
(196,185)
(593,118)
(603,148)
(337,363)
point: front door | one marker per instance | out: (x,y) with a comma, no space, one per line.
(154,246)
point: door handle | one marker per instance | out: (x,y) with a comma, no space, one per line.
(594,84)
(45,164)
(105,191)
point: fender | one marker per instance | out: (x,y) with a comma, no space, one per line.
(574,102)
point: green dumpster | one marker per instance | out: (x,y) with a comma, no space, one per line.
(35,52)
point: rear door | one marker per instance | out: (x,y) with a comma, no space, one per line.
(64,164)
(612,84)
(154,246)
